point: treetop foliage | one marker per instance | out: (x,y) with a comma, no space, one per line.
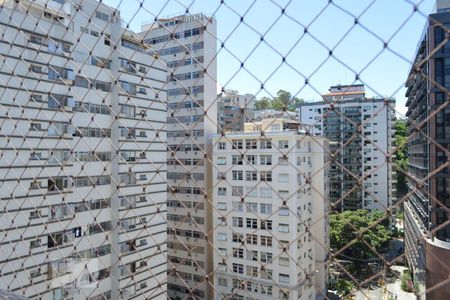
(283,101)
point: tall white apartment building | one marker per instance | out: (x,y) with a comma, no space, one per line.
(361,135)
(83,155)
(187,45)
(271,213)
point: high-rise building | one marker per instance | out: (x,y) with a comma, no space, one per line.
(187,44)
(271,213)
(83,155)
(234,110)
(427,228)
(361,134)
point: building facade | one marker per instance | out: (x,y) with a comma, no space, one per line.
(187,45)
(273,113)
(427,229)
(361,135)
(234,110)
(83,156)
(271,213)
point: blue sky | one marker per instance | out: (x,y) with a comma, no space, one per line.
(355,48)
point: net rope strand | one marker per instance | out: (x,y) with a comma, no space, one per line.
(15,179)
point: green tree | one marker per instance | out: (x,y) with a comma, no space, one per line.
(263,103)
(342,287)
(282,101)
(401,154)
(285,101)
(343,234)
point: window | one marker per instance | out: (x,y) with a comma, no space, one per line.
(442,66)
(283,144)
(236,160)
(57,184)
(283,211)
(252,223)
(265,144)
(222,191)
(251,175)
(252,207)
(221,161)
(283,194)
(223,282)
(237,285)
(35,127)
(265,192)
(265,208)
(251,159)
(252,239)
(252,271)
(101,15)
(222,252)
(35,273)
(266,241)
(35,243)
(252,255)
(266,160)
(250,144)
(238,222)
(57,73)
(238,237)
(283,228)
(55,239)
(35,214)
(128,87)
(35,155)
(36,98)
(238,252)
(266,257)
(266,176)
(222,206)
(36,68)
(81,82)
(276,127)
(266,224)
(238,206)
(237,144)
(266,289)
(34,185)
(36,39)
(251,191)
(283,261)
(284,278)
(266,273)
(238,268)
(222,146)
(221,236)
(237,175)
(107,40)
(283,178)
